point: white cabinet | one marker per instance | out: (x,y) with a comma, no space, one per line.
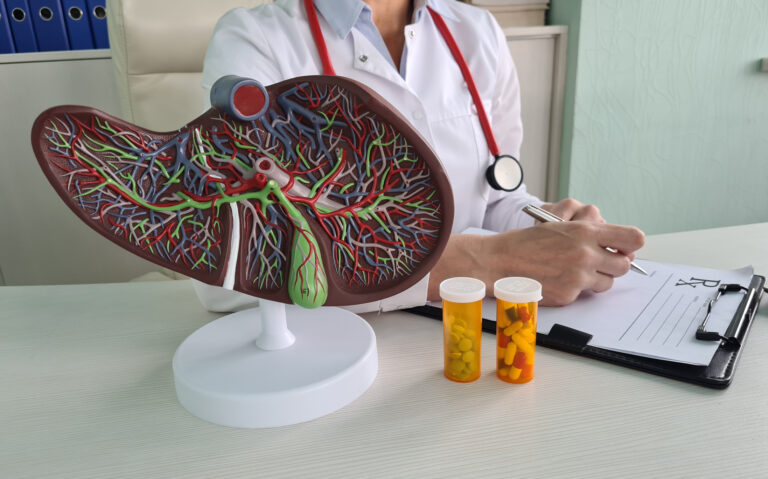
(515,13)
(539,55)
(41,240)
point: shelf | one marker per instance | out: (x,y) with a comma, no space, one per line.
(66,55)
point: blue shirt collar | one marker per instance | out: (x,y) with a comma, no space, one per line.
(342,15)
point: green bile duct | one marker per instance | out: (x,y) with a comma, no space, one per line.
(307,282)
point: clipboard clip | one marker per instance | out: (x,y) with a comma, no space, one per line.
(732,335)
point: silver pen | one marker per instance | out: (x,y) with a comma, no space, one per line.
(546,217)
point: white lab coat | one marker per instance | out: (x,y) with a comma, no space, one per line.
(273,42)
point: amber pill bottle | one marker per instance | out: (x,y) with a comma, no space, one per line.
(462,327)
(517,301)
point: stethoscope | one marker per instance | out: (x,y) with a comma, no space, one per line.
(505,173)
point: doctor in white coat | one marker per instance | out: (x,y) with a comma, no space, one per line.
(395,47)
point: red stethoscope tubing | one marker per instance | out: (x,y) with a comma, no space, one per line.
(317,34)
(462,64)
(322,49)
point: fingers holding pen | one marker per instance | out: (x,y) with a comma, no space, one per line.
(585,263)
(606,247)
(626,240)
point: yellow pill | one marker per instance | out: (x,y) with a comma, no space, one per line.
(521,343)
(465,344)
(504,322)
(468,357)
(455,366)
(509,354)
(513,328)
(454,354)
(503,371)
(458,329)
(460,322)
(454,338)
(528,335)
(514,373)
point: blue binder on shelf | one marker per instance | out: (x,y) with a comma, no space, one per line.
(97,10)
(21,26)
(48,19)
(6,39)
(78,24)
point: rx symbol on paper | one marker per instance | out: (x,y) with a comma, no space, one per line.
(707,283)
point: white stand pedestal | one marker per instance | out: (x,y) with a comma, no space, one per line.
(238,372)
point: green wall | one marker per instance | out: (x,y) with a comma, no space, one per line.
(666,113)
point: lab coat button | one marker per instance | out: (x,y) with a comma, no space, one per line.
(363,58)
(411,33)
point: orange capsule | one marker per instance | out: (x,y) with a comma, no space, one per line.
(527,372)
(503,339)
(519,361)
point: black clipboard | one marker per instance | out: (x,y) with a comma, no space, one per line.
(718,374)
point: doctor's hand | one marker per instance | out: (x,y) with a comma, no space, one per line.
(566,258)
(571,210)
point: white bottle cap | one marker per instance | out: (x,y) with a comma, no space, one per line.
(517,290)
(462,290)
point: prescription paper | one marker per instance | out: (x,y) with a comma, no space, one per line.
(654,316)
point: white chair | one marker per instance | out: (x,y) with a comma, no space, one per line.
(157,51)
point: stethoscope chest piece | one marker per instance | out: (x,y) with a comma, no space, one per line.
(505,173)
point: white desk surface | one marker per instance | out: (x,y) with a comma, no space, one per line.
(86,390)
